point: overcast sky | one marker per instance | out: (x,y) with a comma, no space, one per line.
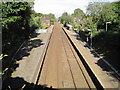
(58,7)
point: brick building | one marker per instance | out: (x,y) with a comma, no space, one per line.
(46,21)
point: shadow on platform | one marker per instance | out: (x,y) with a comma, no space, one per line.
(29,45)
(18,83)
(23,52)
(107,68)
(100,62)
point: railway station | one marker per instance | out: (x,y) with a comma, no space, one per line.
(61,61)
(60,45)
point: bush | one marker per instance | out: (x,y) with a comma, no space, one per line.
(44,27)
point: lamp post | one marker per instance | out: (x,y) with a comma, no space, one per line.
(106,25)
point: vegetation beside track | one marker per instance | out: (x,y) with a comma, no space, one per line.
(91,27)
(19,22)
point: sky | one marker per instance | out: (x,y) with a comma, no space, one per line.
(58,7)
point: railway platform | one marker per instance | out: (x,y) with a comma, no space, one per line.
(60,59)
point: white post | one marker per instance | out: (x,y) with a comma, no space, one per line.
(91,38)
(106,25)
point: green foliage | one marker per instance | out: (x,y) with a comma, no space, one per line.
(51,16)
(44,27)
(107,44)
(66,18)
(37,14)
(3,72)
(78,13)
(52,21)
(76,26)
(38,18)
(116,21)
(17,26)
(15,21)
(37,21)
(105,12)
(89,24)
(2,56)
(94,8)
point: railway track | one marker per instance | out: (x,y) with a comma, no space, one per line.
(62,67)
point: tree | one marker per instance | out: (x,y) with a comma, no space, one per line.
(116,21)
(17,14)
(36,18)
(101,13)
(66,18)
(94,10)
(78,13)
(16,20)
(78,16)
(51,16)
